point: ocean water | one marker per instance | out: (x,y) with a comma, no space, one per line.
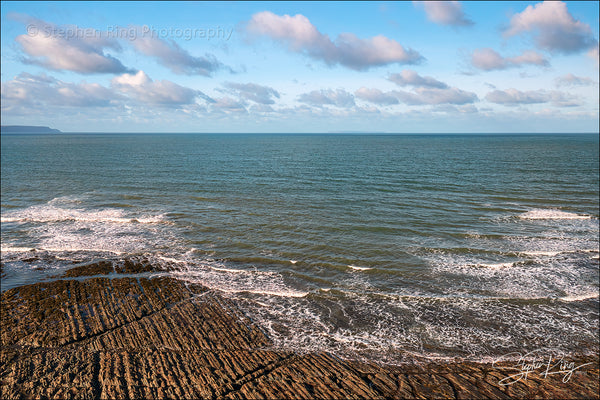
(386,248)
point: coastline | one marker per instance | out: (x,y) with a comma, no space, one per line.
(119,335)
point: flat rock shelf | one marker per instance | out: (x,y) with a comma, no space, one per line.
(116,336)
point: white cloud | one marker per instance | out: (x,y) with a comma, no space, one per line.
(68,48)
(410,78)
(83,49)
(253,92)
(338,98)
(302,36)
(172,56)
(572,80)
(593,54)
(428,90)
(554,28)
(228,105)
(451,109)
(445,12)
(418,97)
(376,96)
(488,59)
(143,89)
(42,91)
(261,108)
(432,96)
(513,97)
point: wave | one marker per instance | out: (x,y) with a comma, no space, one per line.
(552,214)
(61,210)
(69,224)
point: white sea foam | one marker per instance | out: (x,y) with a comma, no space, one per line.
(355,324)
(61,210)
(496,265)
(278,293)
(533,277)
(555,253)
(580,297)
(97,235)
(56,249)
(78,249)
(540,253)
(232,270)
(551,214)
(172,260)
(60,215)
(156,219)
(293,261)
(16,249)
(86,237)
(63,224)
(354,267)
(217,276)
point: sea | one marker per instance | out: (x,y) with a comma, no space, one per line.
(390,248)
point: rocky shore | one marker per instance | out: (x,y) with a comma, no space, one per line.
(125,336)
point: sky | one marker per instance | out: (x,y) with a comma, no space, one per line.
(279,67)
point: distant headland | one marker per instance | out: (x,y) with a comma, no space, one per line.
(27,129)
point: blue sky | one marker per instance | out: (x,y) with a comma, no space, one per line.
(409,67)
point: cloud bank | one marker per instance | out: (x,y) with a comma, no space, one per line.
(514,97)
(42,90)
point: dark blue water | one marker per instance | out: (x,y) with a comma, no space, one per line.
(366,246)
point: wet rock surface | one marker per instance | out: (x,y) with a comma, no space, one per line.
(105,267)
(130,337)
